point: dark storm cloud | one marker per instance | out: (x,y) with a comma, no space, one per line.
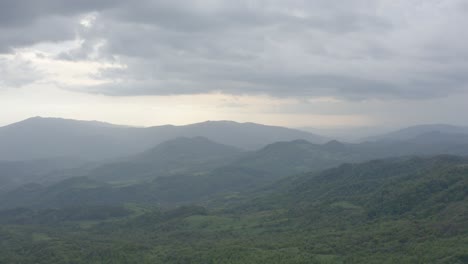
(348,49)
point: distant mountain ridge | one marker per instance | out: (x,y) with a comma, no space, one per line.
(39,138)
(419,130)
(225,166)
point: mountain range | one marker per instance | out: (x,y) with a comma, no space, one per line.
(225,192)
(216,164)
(46,138)
(185,170)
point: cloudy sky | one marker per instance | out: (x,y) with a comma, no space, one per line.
(310,63)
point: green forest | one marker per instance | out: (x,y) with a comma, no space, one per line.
(400,210)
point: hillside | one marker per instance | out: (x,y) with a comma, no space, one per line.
(178,156)
(406,210)
(16,173)
(282,159)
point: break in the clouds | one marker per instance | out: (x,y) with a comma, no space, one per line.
(345,49)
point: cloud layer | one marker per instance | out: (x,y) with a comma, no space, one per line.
(352,50)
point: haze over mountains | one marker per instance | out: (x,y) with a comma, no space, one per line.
(46,138)
(42,138)
(88,177)
(175,156)
(412,132)
(130,155)
(140,153)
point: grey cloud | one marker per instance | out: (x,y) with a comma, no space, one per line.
(139,28)
(344,87)
(224,15)
(19,13)
(51,29)
(24,22)
(347,49)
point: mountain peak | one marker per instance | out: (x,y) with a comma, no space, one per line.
(190,146)
(46,121)
(334,145)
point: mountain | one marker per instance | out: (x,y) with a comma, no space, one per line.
(187,149)
(178,170)
(249,136)
(298,156)
(187,170)
(49,138)
(41,138)
(293,157)
(177,156)
(415,131)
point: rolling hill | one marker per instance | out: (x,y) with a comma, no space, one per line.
(399,210)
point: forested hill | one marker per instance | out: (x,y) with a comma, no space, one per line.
(401,210)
